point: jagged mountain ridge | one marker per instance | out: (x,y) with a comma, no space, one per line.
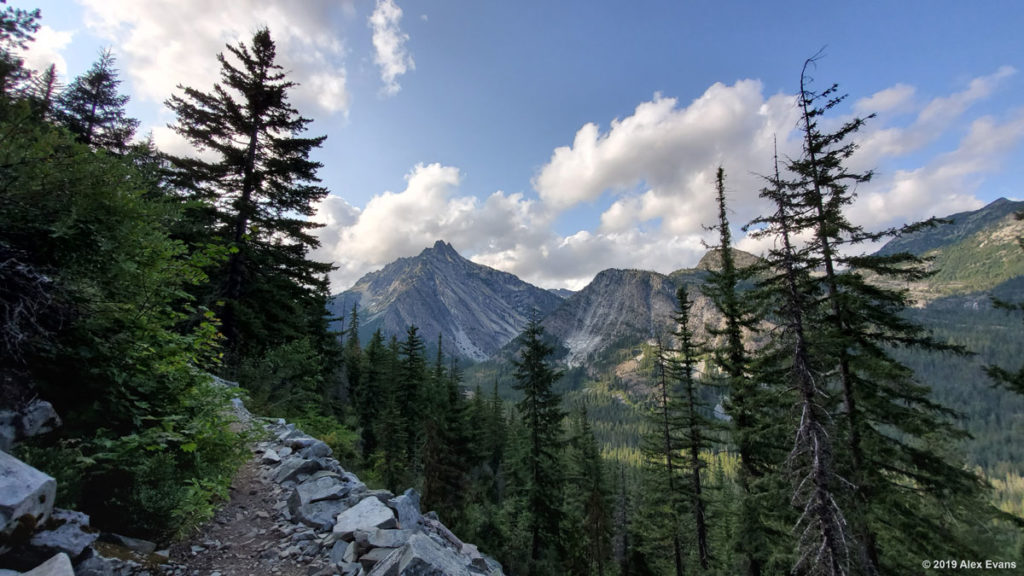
(475,309)
(624,307)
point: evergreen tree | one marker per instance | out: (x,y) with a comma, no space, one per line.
(260,187)
(358,395)
(749,407)
(390,461)
(540,465)
(16,29)
(662,488)
(695,429)
(446,446)
(588,512)
(887,417)
(412,395)
(44,88)
(822,546)
(366,397)
(91,108)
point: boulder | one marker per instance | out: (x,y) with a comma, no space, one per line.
(26,499)
(59,565)
(443,532)
(421,556)
(368,514)
(337,554)
(294,467)
(380,538)
(318,449)
(407,507)
(270,457)
(373,557)
(316,502)
(37,418)
(67,531)
(319,515)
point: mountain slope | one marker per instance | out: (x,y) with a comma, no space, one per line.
(974,251)
(474,308)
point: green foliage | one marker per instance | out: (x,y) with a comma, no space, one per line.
(104,335)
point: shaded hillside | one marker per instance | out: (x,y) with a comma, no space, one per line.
(476,309)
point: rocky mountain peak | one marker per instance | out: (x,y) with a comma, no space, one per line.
(474,308)
(441,249)
(713,259)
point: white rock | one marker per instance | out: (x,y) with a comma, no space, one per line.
(59,565)
(26,497)
(368,514)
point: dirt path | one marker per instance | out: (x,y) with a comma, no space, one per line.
(251,536)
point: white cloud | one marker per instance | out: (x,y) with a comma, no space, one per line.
(948,183)
(396,224)
(389,43)
(898,98)
(47,48)
(161,43)
(656,170)
(933,119)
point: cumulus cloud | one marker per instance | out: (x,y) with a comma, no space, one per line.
(671,150)
(162,44)
(655,169)
(397,224)
(949,182)
(47,48)
(389,44)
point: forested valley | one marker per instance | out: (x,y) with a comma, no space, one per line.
(795,434)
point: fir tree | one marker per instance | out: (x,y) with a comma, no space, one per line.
(390,460)
(662,494)
(750,409)
(822,546)
(16,29)
(886,414)
(261,186)
(695,429)
(588,529)
(91,108)
(540,464)
(44,89)
(412,394)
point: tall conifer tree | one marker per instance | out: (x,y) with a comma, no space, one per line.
(750,408)
(262,186)
(540,465)
(886,415)
(91,108)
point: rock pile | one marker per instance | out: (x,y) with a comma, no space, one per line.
(359,531)
(295,512)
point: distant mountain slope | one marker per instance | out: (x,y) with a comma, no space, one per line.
(623,308)
(975,251)
(476,309)
(961,226)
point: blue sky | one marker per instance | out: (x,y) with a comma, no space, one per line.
(556,139)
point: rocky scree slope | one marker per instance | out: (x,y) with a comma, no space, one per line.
(476,309)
